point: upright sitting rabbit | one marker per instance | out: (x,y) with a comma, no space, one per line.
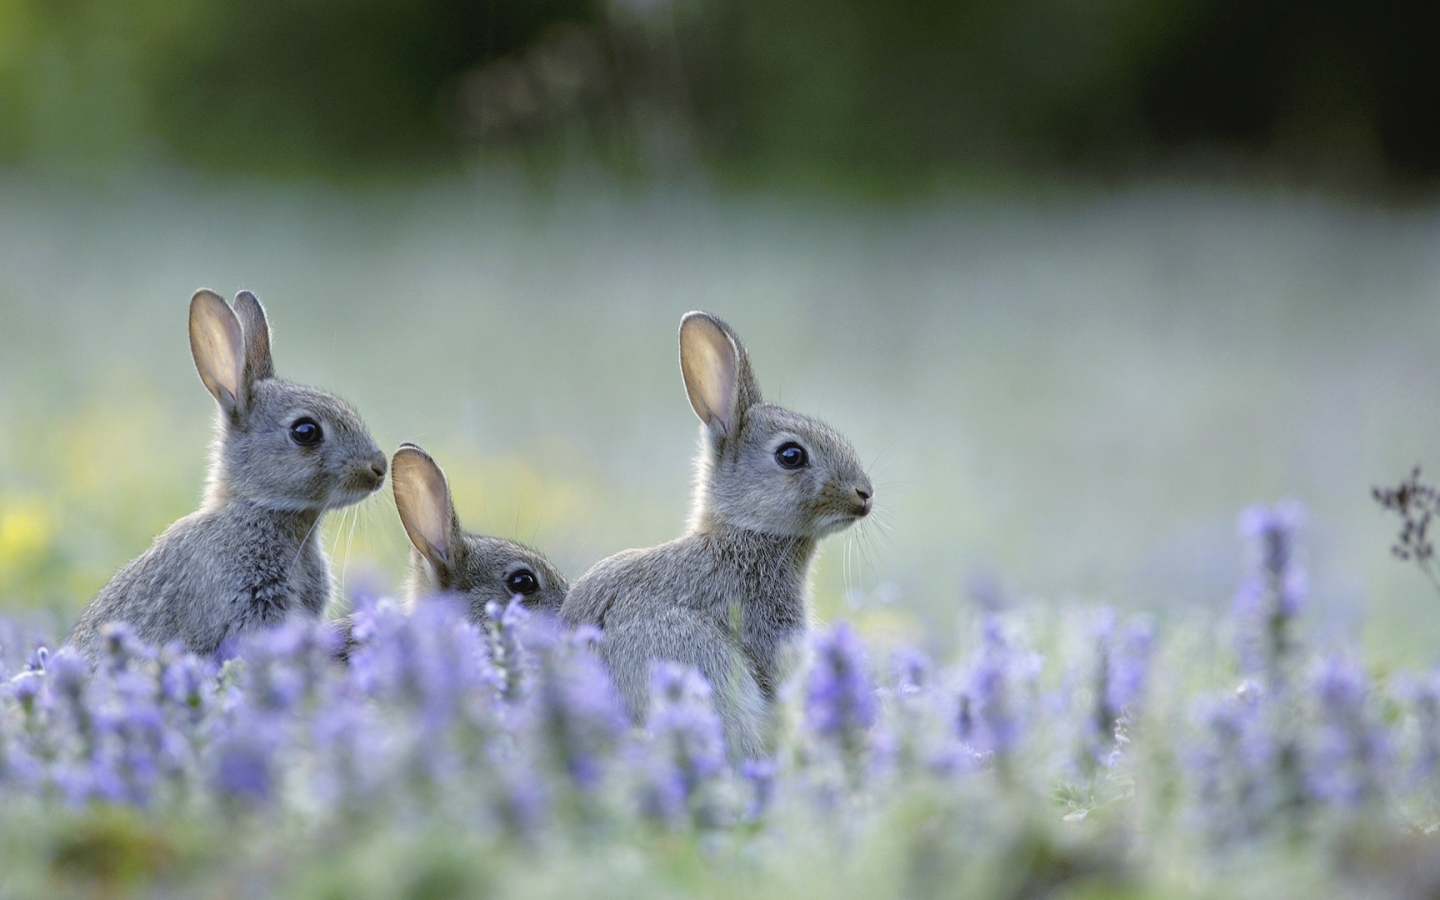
(251,556)
(729,597)
(446,559)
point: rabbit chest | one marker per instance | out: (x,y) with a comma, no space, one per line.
(758,586)
(276,567)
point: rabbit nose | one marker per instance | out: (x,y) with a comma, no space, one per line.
(377,465)
(864,492)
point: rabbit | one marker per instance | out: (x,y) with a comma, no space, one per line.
(444,558)
(251,556)
(730,596)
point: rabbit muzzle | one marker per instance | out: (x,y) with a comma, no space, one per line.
(867,502)
(863,498)
(843,507)
(360,482)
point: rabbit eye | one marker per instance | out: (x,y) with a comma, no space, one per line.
(306,432)
(792,456)
(522,581)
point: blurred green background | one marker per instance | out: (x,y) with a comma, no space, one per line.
(895,95)
(1080,279)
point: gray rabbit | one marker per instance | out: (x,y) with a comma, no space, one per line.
(251,556)
(446,559)
(730,596)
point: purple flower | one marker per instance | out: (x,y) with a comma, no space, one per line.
(1270,597)
(188,685)
(507,649)
(686,748)
(137,745)
(759,775)
(1122,666)
(243,771)
(840,704)
(1233,762)
(350,745)
(25,687)
(911,672)
(1423,696)
(576,716)
(432,659)
(66,696)
(921,734)
(248,743)
(288,664)
(1129,667)
(520,796)
(994,705)
(1351,751)
(429,675)
(121,646)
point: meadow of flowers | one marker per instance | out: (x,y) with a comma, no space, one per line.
(1065,753)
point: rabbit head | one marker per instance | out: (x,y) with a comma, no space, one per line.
(446,558)
(278,445)
(762,468)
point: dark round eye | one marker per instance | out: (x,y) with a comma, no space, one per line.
(306,432)
(792,456)
(522,581)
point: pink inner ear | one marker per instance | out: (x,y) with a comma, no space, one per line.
(218,347)
(724,388)
(708,364)
(423,500)
(233,367)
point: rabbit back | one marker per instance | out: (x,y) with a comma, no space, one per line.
(730,604)
(634,639)
(213,576)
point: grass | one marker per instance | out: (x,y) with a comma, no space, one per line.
(1063,396)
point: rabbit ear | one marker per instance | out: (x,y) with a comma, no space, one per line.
(717,372)
(422,497)
(258,364)
(217,343)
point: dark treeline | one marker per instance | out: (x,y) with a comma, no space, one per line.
(896,91)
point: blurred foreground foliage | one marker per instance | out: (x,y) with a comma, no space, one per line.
(840,92)
(1076,754)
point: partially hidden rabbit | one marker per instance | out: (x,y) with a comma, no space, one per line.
(251,556)
(446,559)
(730,596)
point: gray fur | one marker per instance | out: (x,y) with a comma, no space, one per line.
(446,559)
(730,597)
(475,566)
(250,557)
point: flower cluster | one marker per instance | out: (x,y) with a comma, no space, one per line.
(513,732)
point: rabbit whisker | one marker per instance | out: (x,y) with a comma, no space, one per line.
(880,458)
(883,530)
(305,539)
(865,539)
(335,534)
(857,559)
(350,541)
(854,569)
